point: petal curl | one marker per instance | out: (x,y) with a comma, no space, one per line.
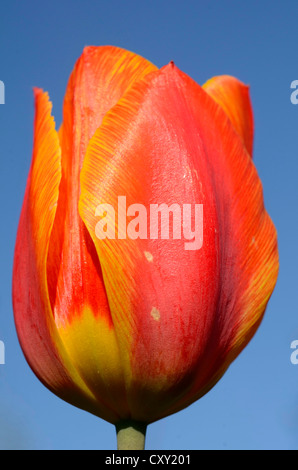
(233,96)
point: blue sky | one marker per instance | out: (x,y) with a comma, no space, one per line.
(255,405)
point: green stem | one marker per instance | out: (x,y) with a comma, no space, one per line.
(130,435)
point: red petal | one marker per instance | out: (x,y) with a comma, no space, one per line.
(180,316)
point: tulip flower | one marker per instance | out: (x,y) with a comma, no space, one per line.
(144,257)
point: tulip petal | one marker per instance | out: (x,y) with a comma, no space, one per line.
(233,96)
(33,314)
(99,79)
(180,316)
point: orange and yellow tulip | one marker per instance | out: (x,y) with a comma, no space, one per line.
(133,329)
